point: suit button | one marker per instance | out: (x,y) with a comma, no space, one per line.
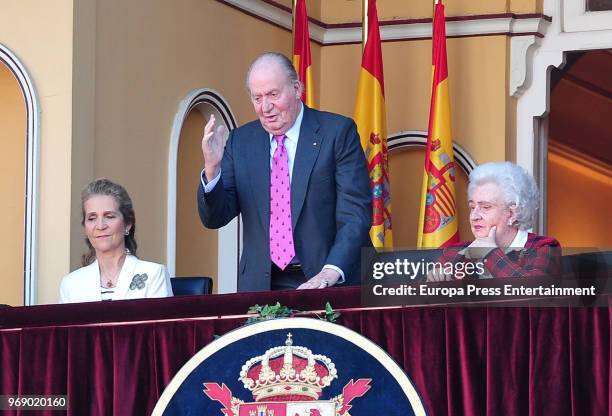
(267,275)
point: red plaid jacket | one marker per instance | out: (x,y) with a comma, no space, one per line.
(540,257)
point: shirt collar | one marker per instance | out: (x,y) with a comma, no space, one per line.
(520,239)
(294,132)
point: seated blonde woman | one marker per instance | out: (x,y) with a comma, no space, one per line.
(111,270)
(503,200)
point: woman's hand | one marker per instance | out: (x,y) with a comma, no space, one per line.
(438,275)
(480,247)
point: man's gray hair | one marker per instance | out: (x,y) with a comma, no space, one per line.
(517,186)
(280,59)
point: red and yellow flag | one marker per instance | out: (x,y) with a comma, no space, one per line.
(438,216)
(301,50)
(372,126)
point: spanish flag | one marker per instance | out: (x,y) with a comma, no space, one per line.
(372,126)
(438,216)
(301,50)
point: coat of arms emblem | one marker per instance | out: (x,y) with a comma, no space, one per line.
(288,380)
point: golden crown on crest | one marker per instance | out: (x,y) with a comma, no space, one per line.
(287,373)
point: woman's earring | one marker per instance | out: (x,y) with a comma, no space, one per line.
(127,231)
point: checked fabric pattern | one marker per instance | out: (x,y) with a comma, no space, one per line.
(541,257)
(281,231)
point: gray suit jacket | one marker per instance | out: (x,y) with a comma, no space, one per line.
(331,208)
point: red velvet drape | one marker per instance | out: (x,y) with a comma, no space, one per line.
(463,361)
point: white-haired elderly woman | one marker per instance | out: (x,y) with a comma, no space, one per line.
(503,200)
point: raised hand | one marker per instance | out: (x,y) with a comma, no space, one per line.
(212,148)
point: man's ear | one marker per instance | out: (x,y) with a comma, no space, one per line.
(298,88)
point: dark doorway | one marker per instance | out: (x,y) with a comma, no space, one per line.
(579,193)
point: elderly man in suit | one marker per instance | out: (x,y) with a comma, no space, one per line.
(299,178)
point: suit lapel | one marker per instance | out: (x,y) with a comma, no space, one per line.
(93,285)
(125,277)
(258,159)
(306,154)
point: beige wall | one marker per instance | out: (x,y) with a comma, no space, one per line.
(339,11)
(315,56)
(406,198)
(83,116)
(143,71)
(342,11)
(39,33)
(510,112)
(12,186)
(477,88)
(111,74)
(526,6)
(119,126)
(479,108)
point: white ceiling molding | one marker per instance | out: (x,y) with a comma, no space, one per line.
(507,24)
(531,24)
(521,51)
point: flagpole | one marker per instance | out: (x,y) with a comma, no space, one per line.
(294,3)
(370,118)
(434,12)
(438,215)
(364,25)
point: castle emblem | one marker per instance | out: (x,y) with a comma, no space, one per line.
(288,381)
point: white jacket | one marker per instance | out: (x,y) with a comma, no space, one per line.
(83,285)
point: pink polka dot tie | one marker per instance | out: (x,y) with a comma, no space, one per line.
(281,231)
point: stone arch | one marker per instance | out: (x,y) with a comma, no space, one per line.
(206,101)
(32,168)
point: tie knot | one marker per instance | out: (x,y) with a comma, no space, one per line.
(280,139)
